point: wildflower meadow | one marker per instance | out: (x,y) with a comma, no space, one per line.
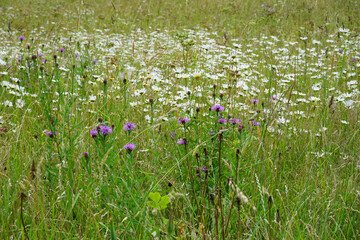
(209,119)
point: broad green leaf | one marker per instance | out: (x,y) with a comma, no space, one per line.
(152,204)
(155,196)
(164,202)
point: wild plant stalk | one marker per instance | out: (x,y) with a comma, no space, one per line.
(22,197)
(238,203)
(235,190)
(212,199)
(219,186)
(270,202)
(191,177)
(205,192)
(199,175)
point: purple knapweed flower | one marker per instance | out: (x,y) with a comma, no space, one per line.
(105,130)
(234,121)
(254,100)
(182,142)
(21,38)
(94,61)
(43,60)
(340,51)
(217,108)
(205,169)
(211,133)
(183,120)
(86,155)
(255,123)
(354,59)
(173,134)
(94,133)
(129,126)
(62,50)
(129,147)
(222,120)
(19,59)
(51,134)
(76,55)
(274,97)
(241,126)
(7,66)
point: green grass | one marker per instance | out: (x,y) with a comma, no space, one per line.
(294,176)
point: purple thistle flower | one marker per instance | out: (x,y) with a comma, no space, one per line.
(222,120)
(183,120)
(94,133)
(21,38)
(241,126)
(105,130)
(217,108)
(274,97)
(86,155)
(129,147)
(43,60)
(7,66)
(94,61)
(19,59)
(254,100)
(51,134)
(62,50)
(340,51)
(354,59)
(129,126)
(76,55)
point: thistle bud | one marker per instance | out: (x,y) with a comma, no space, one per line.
(270,200)
(212,198)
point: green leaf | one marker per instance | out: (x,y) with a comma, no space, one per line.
(164,202)
(152,204)
(155,197)
(112,233)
